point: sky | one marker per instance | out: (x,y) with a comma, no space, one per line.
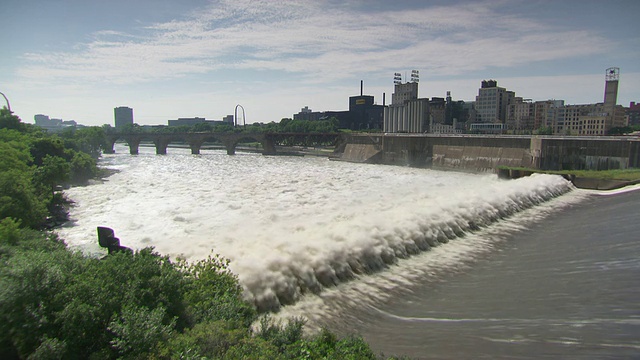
(167,59)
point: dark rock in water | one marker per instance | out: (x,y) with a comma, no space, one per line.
(107,239)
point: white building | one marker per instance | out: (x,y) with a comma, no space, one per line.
(407,113)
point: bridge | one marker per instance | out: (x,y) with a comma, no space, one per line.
(230,141)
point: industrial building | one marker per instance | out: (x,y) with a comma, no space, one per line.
(363,113)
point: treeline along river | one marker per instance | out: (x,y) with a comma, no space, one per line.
(423,263)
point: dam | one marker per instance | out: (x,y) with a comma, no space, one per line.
(485,153)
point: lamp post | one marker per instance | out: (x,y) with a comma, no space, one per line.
(7,100)
(244,120)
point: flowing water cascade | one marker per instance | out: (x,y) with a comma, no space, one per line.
(294,226)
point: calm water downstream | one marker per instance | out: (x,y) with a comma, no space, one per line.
(424,263)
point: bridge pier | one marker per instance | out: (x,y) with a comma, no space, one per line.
(195,147)
(133,146)
(107,147)
(161,148)
(268,147)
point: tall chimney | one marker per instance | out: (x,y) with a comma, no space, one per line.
(361,85)
(383,98)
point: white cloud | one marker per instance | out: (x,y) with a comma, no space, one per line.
(315,39)
(274,57)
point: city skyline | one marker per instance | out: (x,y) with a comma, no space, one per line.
(79,60)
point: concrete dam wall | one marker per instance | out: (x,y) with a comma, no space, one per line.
(486,153)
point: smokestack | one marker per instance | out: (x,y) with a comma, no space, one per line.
(383,98)
(361,85)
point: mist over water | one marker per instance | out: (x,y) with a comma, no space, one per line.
(322,235)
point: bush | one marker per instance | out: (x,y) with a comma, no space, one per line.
(83,167)
(213,293)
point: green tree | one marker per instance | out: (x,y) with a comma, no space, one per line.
(46,146)
(620,130)
(54,171)
(202,127)
(213,293)
(82,168)
(18,194)
(544,130)
(89,140)
(29,284)
(139,330)
(10,121)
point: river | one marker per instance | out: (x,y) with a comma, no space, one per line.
(424,263)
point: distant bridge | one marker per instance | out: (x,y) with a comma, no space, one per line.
(230,141)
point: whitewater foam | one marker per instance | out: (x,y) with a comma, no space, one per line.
(295,226)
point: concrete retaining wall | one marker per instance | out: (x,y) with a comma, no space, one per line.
(486,153)
(478,158)
(362,153)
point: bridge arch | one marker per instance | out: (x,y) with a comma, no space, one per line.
(232,143)
(196,141)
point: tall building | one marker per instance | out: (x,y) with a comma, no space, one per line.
(410,117)
(595,119)
(492,103)
(612,77)
(633,113)
(404,92)
(123,116)
(546,113)
(407,113)
(364,113)
(521,116)
(437,111)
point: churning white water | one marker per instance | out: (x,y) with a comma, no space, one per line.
(293,226)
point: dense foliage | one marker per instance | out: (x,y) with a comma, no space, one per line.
(59,304)
(34,164)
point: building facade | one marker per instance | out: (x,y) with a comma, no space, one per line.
(633,114)
(407,113)
(404,92)
(412,116)
(363,113)
(308,114)
(53,125)
(123,116)
(492,103)
(520,116)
